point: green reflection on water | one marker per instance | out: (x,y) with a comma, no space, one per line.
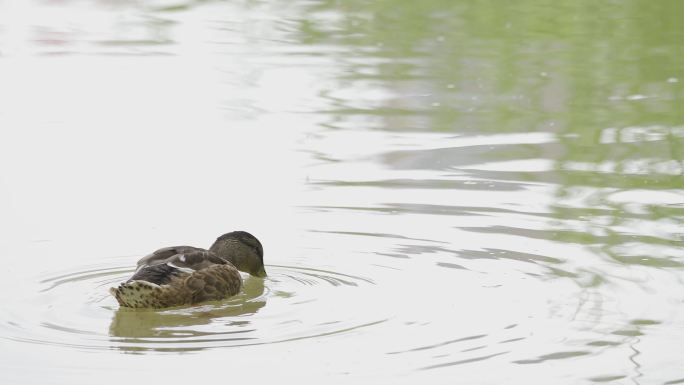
(492,66)
(604,79)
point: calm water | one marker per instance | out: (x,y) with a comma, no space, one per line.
(477,192)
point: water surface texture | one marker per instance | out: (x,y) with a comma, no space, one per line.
(477,192)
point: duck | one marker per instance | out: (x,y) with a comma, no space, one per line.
(186,275)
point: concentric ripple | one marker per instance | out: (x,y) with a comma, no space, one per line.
(74,310)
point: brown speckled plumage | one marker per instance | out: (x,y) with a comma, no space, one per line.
(181,275)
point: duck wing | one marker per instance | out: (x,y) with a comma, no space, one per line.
(164,264)
(160,274)
(166,254)
(176,287)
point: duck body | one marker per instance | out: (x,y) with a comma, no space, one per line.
(182,275)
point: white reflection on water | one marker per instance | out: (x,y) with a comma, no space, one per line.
(403,245)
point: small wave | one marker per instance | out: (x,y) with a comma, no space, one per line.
(74,310)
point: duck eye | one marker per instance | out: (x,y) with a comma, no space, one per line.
(256,249)
(251,245)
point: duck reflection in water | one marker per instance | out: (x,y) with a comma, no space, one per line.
(163,329)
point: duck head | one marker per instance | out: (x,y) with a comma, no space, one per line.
(243,250)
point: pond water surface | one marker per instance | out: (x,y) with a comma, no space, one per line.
(479,192)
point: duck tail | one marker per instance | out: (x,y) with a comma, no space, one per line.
(136,294)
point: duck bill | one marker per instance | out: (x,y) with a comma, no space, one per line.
(261,272)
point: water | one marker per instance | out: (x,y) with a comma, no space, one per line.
(474,192)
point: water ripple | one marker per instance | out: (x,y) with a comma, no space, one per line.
(74,310)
